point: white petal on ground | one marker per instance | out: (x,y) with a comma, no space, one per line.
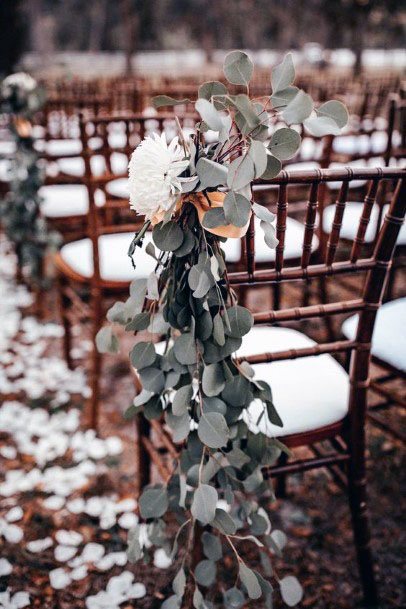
(128,520)
(79,573)
(39,545)
(92,552)
(5,567)
(68,538)
(54,502)
(59,579)
(161,559)
(64,553)
(15,514)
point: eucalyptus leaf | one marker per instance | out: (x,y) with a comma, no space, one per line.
(283,74)
(209,114)
(205,573)
(224,523)
(181,400)
(257,152)
(142,355)
(165,100)
(152,379)
(284,143)
(168,237)
(238,68)
(179,583)
(291,590)
(263,213)
(234,599)
(185,349)
(213,381)
(237,208)
(213,430)
(241,172)
(298,109)
(212,547)
(211,174)
(321,125)
(204,503)
(335,110)
(173,602)
(282,98)
(240,321)
(273,167)
(250,581)
(107,341)
(269,234)
(214,217)
(153,502)
(212,88)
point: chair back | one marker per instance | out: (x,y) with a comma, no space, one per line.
(372,269)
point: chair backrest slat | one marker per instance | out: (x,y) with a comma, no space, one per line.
(310,224)
(337,222)
(281,216)
(369,202)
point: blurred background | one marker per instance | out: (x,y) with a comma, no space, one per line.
(148,37)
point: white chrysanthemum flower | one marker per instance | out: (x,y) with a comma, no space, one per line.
(154,171)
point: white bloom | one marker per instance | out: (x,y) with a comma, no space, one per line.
(20,80)
(154,171)
(17,601)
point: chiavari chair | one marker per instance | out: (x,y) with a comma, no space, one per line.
(95,268)
(318,401)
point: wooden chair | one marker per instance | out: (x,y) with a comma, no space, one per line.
(95,268)
(318,401)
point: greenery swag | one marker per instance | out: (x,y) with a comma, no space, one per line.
(217,494)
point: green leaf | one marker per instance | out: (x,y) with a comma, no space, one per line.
(209,114)
(257,152)
(214,405)
(218,330)
(213,430)
(235,391)
(142,355)
(322,125)
(134,549)
(269,234)
(263,213)
(233,599)
(185,349)
(284,143)
(335,110)
(116,313)
(214,217)
(238,68)
(247,117)
(179,583)
(298,109)
(165,100)
(138,322)
(152,379)
(291,590)
(282,98)
(173,602)
(187,244)
(208,89)
(205,573)
(283,74)
(213,380)
(241,172)
(236,209)
(211,174)
(204,503)
(240,320)
(180,426)
(212,547)
(153,502)
(250,581)
(224,523)
(107,341)
(167,237)
(273,167)
(181,400)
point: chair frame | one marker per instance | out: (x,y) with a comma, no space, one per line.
(346,459)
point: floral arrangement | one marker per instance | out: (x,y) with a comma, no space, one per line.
(20,98)
(194,196)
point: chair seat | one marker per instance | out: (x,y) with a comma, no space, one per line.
(59,147)
(309,393)
(293,244)
(5,167)
(64,200)
(75,166)
(118,188)
(115,265)
(351,218)
(389,338)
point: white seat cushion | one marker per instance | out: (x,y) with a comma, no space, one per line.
(64,200)
(59,147)
(7,148)
(389,338)
(351,218)
(308,393)
(293,244)
(75,166)
(5,169)
(118,188)
(303,166)
(115,265)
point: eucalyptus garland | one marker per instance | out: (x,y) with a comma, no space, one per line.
(195,196)
(20,98)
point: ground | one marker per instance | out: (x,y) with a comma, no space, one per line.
(56,481)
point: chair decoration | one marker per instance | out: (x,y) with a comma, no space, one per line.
(195,196)
(20,98)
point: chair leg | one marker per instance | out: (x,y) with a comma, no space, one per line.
(143,460)
(361,528)
(96,358)
(63,303)
(281,480)
(277,288)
